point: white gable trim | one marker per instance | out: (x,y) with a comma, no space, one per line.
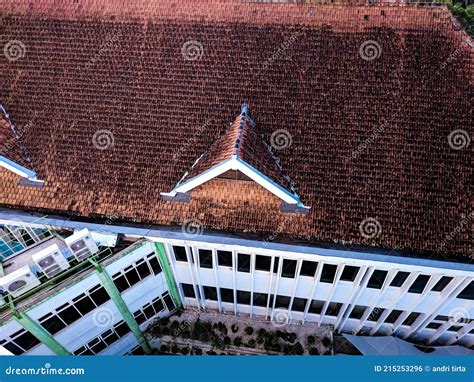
(16,168)
(237,164)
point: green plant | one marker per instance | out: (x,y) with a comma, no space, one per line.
(326,342)
(237,341)
(227,340)
(311,340)
(164,348)
(234,328)
(198,351)
(249,330)
(185,351)
(250,344)
(313,351)
(174,348)
(262,332)
(166,331)
(210,352)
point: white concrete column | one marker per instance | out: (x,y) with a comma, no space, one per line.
(272,264)
(337,277)
(170,254)
(198,275)
(234,262)
(191,273)
(252,281)
(216,279)
(295,285)
(313,290)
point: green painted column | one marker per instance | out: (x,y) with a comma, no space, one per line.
(160,251)
(40,333)
(114,294)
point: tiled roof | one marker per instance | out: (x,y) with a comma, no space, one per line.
(241,141)
(10,144)
(121,98)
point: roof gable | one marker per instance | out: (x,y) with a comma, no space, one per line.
(240,149)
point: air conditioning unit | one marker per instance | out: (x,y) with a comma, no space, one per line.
(19,282)
(82,245)
(51,261)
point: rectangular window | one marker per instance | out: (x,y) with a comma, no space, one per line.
(132,275)
(316,307)
(289,268)
(299,304)
(205,258)
(121,282)
(468,292)
(419,284)
(180,253)
(333,309)
(69,315)
(26,341)
(260,299)
(99,295)
(276,261)
(282,302)
(243,263)
(357,312)
(411,319)
(139,317)
(155,265)
(158,305)
(442,283)
(169,301)
(143,270)
(224,258)
(308,268)
(243,297)
(227,295)
(53,324)
(188,290)
(375,314)
(263,263)
(122,329)
(433,325)
(377,279)
(328,273)
(349,273)
(393,316)
(399,279)
(210,293)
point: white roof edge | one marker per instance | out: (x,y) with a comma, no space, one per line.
(17,169)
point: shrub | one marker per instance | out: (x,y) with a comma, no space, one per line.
(311,340)
(210,352)
(262,332)
(297,349)
(326,342)
(234,328)
(237,341)
(165,321)
(174,348)
(166,331)
(222,328)
(227,340)
(251,344)
(313,351)
(249,330)
(164,348)
(185,351)
(198,351)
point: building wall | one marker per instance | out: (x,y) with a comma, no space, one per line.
(383,304)
(147,299)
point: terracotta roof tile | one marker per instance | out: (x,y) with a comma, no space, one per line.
(369,138)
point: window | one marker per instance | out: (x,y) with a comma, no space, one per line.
(308,268)
(375,314)
(328,273)
(121,283)
(132,275)
(227,295)
(243,263)
(84,304)
(210,293)
(333,309)
(276,261)
(99,295)
(122,329)
(243,297)
(349,273)
(180,253)
(299,304)
(316,307)
(69,315)
(282,302)
(155,265)
(289,268)
(419,284)
(454,328)
(442,283)
(52,323)
(224,258)
(399,279)
(158,305)
(357,312)
(411,319)
(393,316)
(263,263)
(433,325)
(468,292)
(205,258)
(169,301)
(188,290)
(377,279)
(260,299)
(26,340)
